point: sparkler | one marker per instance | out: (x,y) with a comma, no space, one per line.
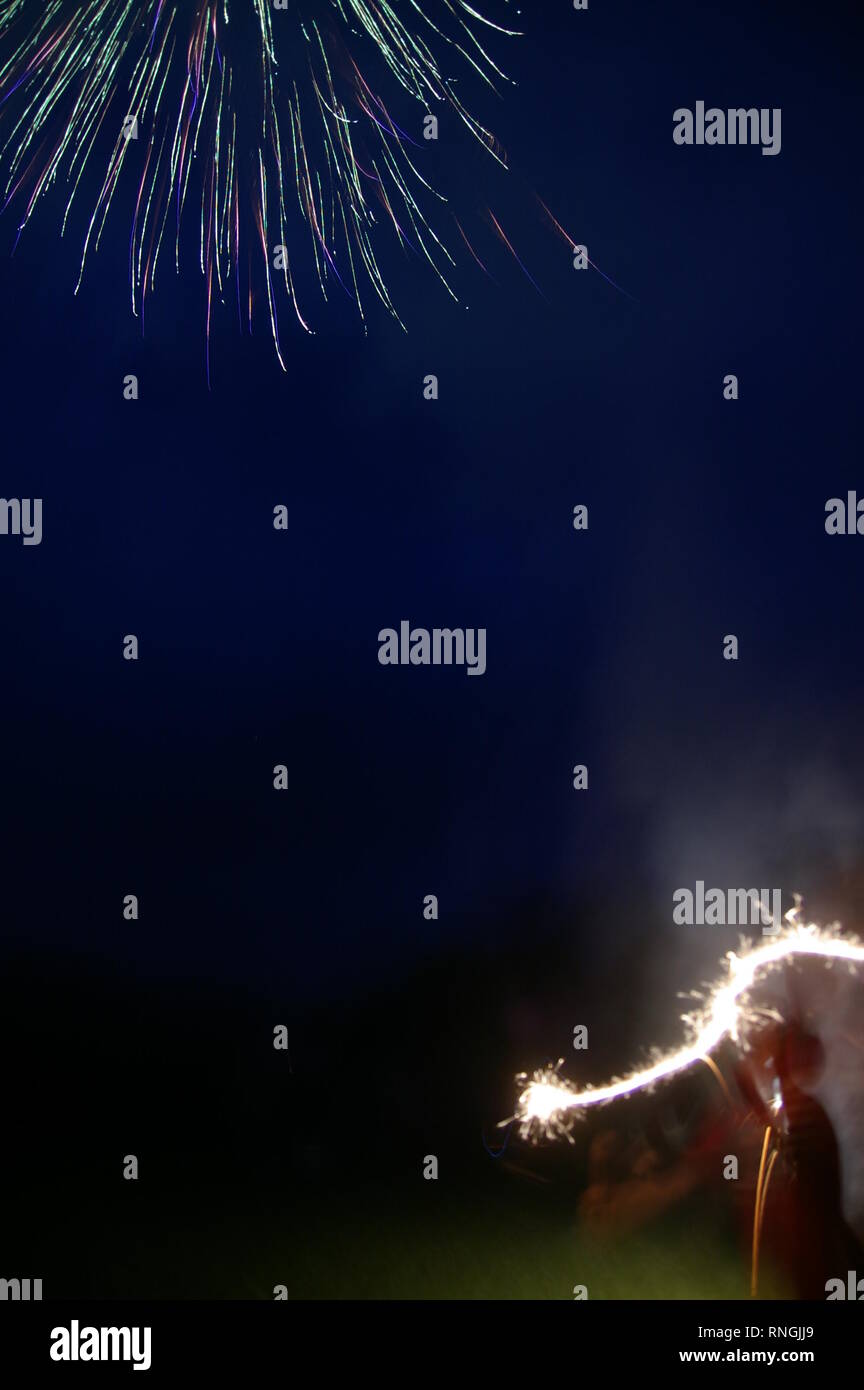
(548,1105)
(232,116)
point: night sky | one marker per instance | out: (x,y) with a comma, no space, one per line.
(604,647)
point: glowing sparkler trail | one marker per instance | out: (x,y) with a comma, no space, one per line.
(547,1104)
(235,115)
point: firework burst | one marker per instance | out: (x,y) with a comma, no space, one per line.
(548,1105)
(260,123)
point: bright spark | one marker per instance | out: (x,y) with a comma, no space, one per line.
(548,1104)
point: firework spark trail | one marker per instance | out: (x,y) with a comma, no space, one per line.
(230,114)
(548,1105)
(554,223)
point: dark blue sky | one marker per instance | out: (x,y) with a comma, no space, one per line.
(257,648)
